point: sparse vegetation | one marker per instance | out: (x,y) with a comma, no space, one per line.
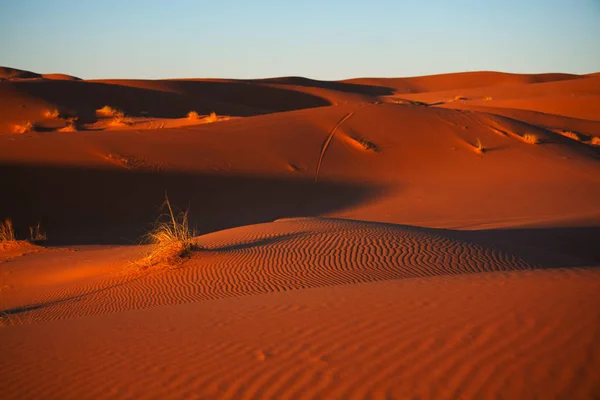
(7,231)
(364,144)
(172,237)
(479,148)
(457,98)
(488,98)
(120,119)
(108,111)
(71,125)
(531,138)
(25,127)
(52,113)
(193,115)
(570,135)
(595,140)
(212,117)
(36,234)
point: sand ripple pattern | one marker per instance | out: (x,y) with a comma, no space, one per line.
(285,255)
(520,335)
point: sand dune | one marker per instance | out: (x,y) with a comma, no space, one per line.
(285,255)
(518,335)
(425,237)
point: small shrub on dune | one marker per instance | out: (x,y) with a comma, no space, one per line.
(108,111)
(51,114)
(119,119)
(193,115)
(479,147)
(7,231)
(36,234)
(70,126)
(172,237)
(25,127)
(457,98)
(212,117)
(570,135)
(595,141)
(531,138)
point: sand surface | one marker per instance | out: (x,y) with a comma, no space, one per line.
(370,238)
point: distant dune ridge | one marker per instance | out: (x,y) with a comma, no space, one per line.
(429,237)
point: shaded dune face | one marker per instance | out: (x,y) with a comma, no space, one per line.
(107,206)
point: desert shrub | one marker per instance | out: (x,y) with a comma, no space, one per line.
(25,127)
(7,231)
(36,234)
(531,138)
(172,237)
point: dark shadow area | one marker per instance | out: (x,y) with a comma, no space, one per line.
(82,98)
(331,85)
(109,206)
(564,246)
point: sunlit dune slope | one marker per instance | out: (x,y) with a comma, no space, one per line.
(492,335)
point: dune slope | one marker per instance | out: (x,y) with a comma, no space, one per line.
(429,237)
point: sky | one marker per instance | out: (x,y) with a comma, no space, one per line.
(324,39)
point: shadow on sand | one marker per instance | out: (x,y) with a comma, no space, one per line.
(108,206)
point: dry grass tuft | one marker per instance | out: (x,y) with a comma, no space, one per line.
(193,115)
(530,138)
(595,140)
(212,117)
(364,144)
(36,235)
(457,98)
(51,114)
(71,125)
(25,127)
(7,231)
(108,111)
(488,98)
(172,238)
(479,148)
(119,119)
(570,135)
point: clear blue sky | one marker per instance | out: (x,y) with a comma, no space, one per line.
(324,39)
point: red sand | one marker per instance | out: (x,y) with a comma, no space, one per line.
(422,266)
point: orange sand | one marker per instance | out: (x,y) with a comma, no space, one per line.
(356,243)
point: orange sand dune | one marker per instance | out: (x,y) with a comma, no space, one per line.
(427,237)
(491,335)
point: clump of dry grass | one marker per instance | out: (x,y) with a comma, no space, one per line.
(364,144)
(7,231)
(479,147)
(108,111)
(52,113)
(193,115)
(36,234)
(570,135)
(212,117)
(531,138)
(457,98)
(488,98)
(119,119)
(25,127)
(172,238)
(71,125)
(595,140)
